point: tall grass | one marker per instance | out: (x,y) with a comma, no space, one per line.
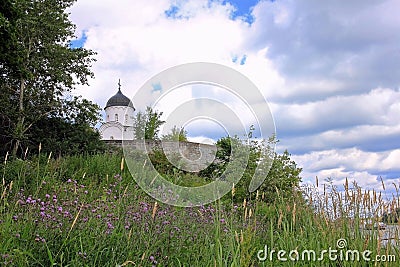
(88,211)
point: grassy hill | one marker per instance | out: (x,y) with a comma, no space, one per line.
(89,211)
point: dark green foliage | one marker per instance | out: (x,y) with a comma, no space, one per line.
(216,168)
(283,177)
(64,135)
(64,138)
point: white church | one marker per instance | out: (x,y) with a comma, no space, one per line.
(119,118)
(119,126)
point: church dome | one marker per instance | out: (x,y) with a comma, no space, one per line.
(119,99)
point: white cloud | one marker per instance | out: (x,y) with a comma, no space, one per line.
(392,160)
(336,114)
(351,159)
(202,139)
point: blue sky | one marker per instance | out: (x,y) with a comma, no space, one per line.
(80,42)
(243,9)
(329,71)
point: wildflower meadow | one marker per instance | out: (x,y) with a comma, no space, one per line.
(89,211)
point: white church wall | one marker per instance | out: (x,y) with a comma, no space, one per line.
(111,131)
(123,115)
(128,133)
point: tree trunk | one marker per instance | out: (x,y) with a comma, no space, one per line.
(19,131)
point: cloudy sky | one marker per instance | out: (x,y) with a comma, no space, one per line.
(330,70)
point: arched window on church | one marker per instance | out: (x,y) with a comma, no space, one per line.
(116,117)
(108,118)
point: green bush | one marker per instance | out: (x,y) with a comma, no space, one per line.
(283,175)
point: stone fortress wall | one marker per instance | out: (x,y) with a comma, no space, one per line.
(195,156)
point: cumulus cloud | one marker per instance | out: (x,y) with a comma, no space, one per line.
(330,47)
(350,159)
(337,113)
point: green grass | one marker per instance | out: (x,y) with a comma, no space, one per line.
(88,211)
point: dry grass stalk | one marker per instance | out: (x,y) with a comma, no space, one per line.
(334,207)
(5,159)
(201,215)
(277,192)
(127,262)
(4,193)
(26,152)
(76,218)
(366,242)
(383,184)
(236,237)
(374,195)
(294,213)
(280,219)
(130,234)
(122,164)
(126,189)
(153,215)
(49,157)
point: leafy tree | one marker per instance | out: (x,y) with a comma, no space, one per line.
(37,66)
(176,134)
(74,134)
(139,123)
(283,176)
(147,125)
